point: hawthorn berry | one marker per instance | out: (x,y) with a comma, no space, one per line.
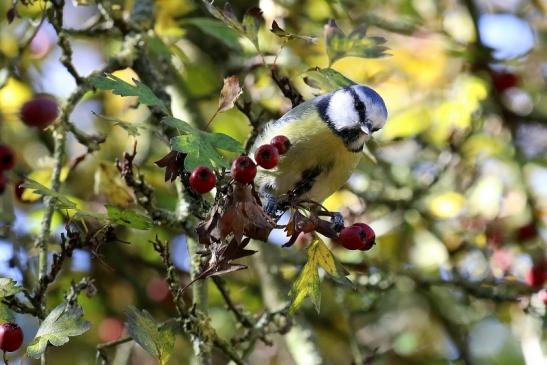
(7,157)
(11,337)
(39,112)
(202,179)
(267,156)
(504,80)
(243,170)
(18,189)
(359,236)
(282,144)
(537,275)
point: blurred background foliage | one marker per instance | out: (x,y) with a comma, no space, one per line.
(455,185)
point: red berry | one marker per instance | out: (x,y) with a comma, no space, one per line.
(11,337)
(267,156)
(243,170)
(357,237)
(368,234)
(282,144)
(39,112)
(537,275)
(7,157)
(504,80)
(527,232)
(19,190)
(203,179)
(3,182)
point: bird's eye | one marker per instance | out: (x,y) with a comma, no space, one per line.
(359,106)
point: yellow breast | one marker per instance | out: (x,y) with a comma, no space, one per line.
(313,145)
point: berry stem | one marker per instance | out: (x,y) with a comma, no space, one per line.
(5,358)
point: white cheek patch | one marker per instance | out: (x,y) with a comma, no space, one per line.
(341,111)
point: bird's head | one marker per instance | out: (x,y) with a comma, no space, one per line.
(354,113)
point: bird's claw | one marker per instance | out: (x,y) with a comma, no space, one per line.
(337,221)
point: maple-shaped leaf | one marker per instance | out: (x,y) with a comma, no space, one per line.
(156,339)
(62,322)
(119,87)
(173,162)
(200,147)
(356,44)
(308,284)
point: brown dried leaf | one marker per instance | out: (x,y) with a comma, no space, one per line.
(173,163)
(229,93)
(10,14)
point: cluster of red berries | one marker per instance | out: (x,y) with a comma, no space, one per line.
(7,161)
(359,236)
(39,112)
(11,337)
(203,179)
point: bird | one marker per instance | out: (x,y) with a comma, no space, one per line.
(327,136)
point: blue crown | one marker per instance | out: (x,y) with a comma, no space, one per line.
(374,97)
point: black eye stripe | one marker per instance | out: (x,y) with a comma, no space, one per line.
(359,105)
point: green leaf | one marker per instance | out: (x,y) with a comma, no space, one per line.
(8,287)
(6,314)
(63,322)
(58,200)
(281,33)
(182,126)
(308,284)
(158,47)
(132,129)
(326,79)
(201,148)
(356,44)
(218,30)
(128,218)
(247,28)
(251,24)
(157,340)
(119,87)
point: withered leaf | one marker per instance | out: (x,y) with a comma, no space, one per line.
(173,163)
(240,215)
(10,14)
(229,93)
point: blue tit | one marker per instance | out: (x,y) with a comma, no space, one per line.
(327,135)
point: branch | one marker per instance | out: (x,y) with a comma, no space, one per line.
(286,87)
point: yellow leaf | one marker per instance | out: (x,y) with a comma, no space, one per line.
(323,256)
(308,282)
(109,183)
(43,176)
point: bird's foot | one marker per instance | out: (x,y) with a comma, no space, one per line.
(337,221)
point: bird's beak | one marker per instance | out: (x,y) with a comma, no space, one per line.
(365,129)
